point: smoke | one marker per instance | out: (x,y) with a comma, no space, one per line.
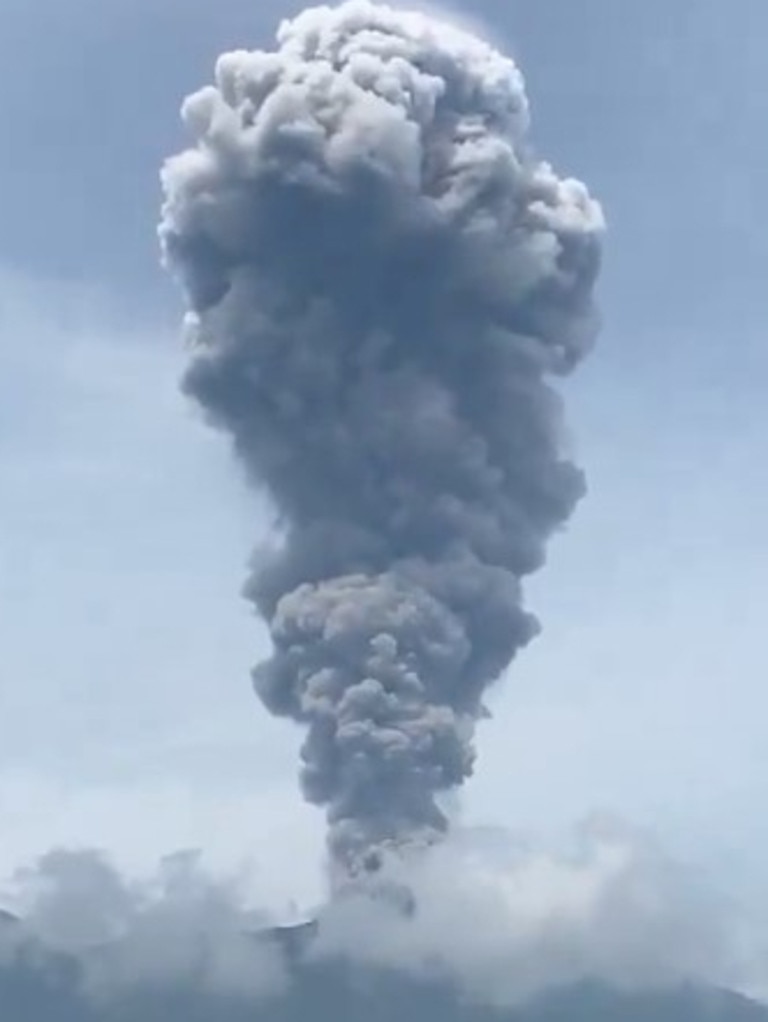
(179,929)
(606,905)
(381,280)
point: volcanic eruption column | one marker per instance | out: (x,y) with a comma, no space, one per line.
(381,277)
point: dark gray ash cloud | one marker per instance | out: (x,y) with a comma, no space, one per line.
(382,278)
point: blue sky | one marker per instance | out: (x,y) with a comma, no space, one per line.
(125,529)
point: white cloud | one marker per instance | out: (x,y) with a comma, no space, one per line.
(508,920)
(498,917)
(181,928)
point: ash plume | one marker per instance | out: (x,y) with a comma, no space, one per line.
(382,278)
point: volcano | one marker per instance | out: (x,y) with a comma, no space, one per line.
(37,985)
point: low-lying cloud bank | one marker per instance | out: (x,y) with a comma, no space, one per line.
(499,920)
(508,921)
(181,926)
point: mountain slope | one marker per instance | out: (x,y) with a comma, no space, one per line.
(37,986)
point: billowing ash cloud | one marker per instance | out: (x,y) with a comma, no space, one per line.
(381,279)
(181,928)
(607,905)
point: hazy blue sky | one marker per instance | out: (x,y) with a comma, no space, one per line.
(127,718)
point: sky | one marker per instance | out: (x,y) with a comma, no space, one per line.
(125,528)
